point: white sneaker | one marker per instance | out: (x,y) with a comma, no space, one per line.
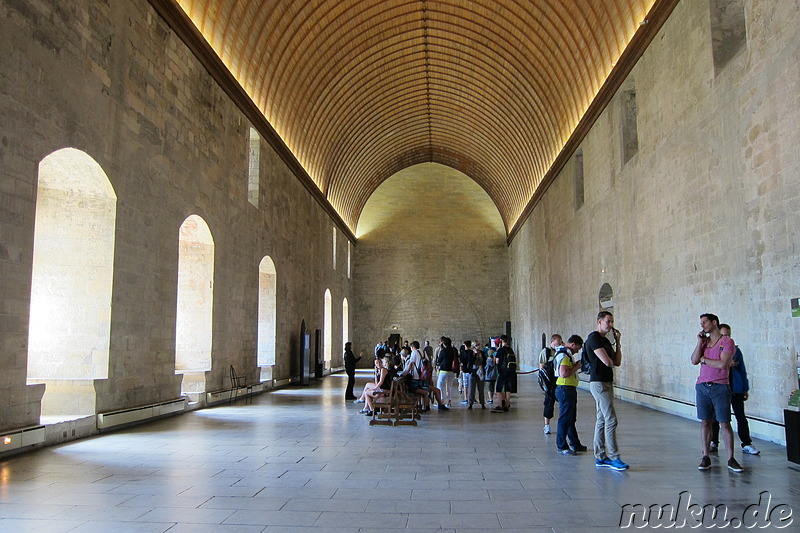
(547,429)
(750,449)
(712,447)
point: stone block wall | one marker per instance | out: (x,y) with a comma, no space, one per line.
(431,261)
(113,81)
(702,219)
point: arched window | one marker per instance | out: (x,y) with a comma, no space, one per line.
(345,322)
(253,162)
(333,246)
(193,324)
(267,289)
(606,297)
(73,266)
(328,329)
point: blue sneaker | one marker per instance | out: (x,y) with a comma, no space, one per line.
(605,462)
(617,464)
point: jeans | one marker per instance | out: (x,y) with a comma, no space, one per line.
(477,383)
(567,415)
(605,430)
(351,381)
(742,427)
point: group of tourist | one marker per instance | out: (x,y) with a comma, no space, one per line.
(469,370)
(598,358)
(722,384)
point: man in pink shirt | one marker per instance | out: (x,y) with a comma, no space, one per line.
(714,353)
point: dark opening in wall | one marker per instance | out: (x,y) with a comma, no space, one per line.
(630,134)
(578,178)
(728,31)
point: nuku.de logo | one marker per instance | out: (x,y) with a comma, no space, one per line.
(691,515)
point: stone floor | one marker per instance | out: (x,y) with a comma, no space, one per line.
(301,458)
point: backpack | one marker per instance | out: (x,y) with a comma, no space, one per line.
(491,369)
(560,355)
(586,363)
(511,362)
(547,374)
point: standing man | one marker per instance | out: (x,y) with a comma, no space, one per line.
(350,361)
(380,349)
(567,394)
(506,362)
(427,351)
(465,358)
(740,387)
(602,359)
(446,369)
(548,353)
(714,353)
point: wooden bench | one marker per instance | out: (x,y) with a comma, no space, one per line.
(399,408)
(382,410)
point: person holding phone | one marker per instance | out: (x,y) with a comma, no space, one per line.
(603,357)
(714,353)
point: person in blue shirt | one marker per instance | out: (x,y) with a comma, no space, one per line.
(740,388)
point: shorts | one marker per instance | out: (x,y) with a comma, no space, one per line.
(713,401)
(507,383)
(418,384)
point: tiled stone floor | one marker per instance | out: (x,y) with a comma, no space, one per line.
(301,458)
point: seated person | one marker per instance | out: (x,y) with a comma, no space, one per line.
(413,365)
(426,376)
(382,389)
(372,384)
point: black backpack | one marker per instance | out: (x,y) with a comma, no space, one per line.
(547,374)
(511,362)
(586,363)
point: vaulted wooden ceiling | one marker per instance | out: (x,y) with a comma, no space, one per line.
(358,90)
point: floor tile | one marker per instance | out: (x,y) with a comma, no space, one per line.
(299,459)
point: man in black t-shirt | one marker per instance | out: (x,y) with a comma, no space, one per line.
(603,358)
(506,362)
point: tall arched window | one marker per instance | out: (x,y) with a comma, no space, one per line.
(333,247)
(193,324)
(72,277)
(345,321)
(328,329)
(267,289)
(253,162)
(348,260)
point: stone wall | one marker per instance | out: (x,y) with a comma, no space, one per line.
(431,260)
(702,219)
(114,82)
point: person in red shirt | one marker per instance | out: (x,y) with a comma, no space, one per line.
(714,353)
